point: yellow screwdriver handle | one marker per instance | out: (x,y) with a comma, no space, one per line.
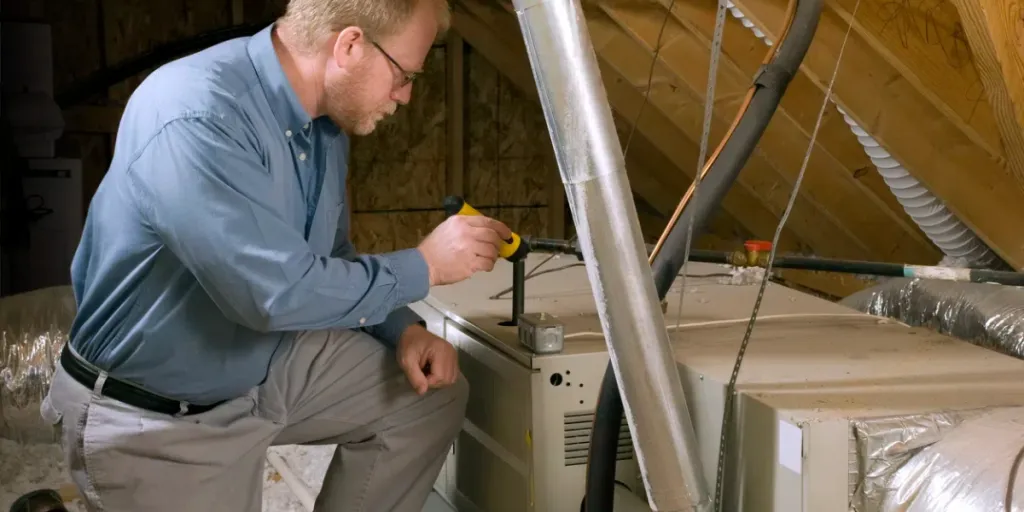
(512,249)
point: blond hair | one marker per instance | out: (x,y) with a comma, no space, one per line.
(312,20)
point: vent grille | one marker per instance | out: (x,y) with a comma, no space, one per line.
(578,427)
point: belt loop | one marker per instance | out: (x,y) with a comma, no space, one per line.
(97,388)
(182,409)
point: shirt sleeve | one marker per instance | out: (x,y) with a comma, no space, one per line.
(204,190)
(390,330)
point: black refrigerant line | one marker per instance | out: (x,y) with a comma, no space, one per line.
(769,85)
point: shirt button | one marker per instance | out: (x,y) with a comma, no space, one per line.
(305,126)
(287,133)
(362,321)
(302,156)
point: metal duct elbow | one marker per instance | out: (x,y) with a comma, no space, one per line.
(973,468)
(592,168)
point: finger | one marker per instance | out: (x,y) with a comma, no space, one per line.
(485,250)
(437,368)
(453,371)
(482,264)
(414,373)
(440,378)
(417,379)
(486,235)
(498,227)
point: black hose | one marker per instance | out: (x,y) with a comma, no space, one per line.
(771,82)
(877,268)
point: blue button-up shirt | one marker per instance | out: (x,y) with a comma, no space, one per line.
(221,229)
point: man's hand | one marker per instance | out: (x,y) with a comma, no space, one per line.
(461,246)
(428,361)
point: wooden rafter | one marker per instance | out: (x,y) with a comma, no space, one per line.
(925,42)
(802,104)
(662,151)
(995,30)
(973,184)
(812,223)
(829,185)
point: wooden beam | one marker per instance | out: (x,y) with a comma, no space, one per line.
(925,42)
(455,103)
(492,32)
(504,49)
(828,185)
(801,104)
(972,184)
(759,177)
(657,151)
(995,30)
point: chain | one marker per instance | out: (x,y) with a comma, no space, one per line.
(709,105)
(730,391)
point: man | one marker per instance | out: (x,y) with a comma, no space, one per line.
(222,308)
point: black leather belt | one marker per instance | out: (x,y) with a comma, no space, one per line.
(128,393)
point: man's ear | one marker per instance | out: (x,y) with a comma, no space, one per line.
(349,47)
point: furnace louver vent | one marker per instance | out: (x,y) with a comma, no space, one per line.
(577,439)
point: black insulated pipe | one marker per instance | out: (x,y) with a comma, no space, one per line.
(771,83)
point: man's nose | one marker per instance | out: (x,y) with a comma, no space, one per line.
(403,94)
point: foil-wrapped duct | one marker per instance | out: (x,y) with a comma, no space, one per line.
(971,469)
(988,315)
(885,444)
(34,327)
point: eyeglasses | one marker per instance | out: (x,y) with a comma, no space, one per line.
(407,77)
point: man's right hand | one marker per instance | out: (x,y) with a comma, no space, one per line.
(461,246)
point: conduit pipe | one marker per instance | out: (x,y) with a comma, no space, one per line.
(592,168)
(944,229)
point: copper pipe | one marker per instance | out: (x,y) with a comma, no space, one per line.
(790,14)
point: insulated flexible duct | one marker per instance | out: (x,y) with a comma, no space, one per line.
(944,229)
(768,88)
(592,167)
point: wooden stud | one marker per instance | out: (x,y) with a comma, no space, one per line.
(455,97)
(494,35)
(828,185)
(925,42)
(974,185)
(994,29)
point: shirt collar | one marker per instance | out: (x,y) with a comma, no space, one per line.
(291,116)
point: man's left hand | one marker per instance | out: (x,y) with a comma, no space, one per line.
(428,361)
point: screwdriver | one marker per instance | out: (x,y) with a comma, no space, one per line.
(513,249)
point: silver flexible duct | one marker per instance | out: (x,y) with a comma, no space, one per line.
(592,167)
(971,469)
(34,327)
(987,315)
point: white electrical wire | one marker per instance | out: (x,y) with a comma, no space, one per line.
(736,321)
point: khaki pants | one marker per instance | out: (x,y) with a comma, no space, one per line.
(327,387)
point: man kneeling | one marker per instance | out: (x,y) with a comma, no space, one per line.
(222,307)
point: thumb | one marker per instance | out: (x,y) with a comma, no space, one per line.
(414,373)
